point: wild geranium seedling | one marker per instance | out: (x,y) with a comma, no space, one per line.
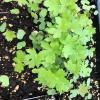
(9,35)
(36,38)
(53,80)
(19,65)
(32,59)
(83,89)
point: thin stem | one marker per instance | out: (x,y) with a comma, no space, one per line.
(4,12)
(35,97)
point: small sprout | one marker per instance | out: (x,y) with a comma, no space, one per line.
(96,12)
(20,45)
(19,66)
(4,80)
(42,25)
(20,34)
(89,96)
(9,35)
(43,13)
(15,11)
(3,27)
(51,92)
(74,93)
(83,89)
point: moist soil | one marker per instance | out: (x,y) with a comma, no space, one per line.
(22,86)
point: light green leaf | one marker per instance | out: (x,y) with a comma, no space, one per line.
(55,32)
(96,12)
(19,67)
(83,89)
(73,68)
(89,96)
(4,80)
(33,6)
(20,45)
(67,50)
(43,13)
(21,2)
(3,27)
(85,71)
(53,6)
(52,80)
(20,34)
(45,45)
(15,11)
(42,25)
(30,58)
(9,35)
(19,59)
(73,93)
(51,92)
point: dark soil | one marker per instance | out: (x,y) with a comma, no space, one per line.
(22,85)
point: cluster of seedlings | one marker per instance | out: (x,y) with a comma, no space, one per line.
(59,52)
